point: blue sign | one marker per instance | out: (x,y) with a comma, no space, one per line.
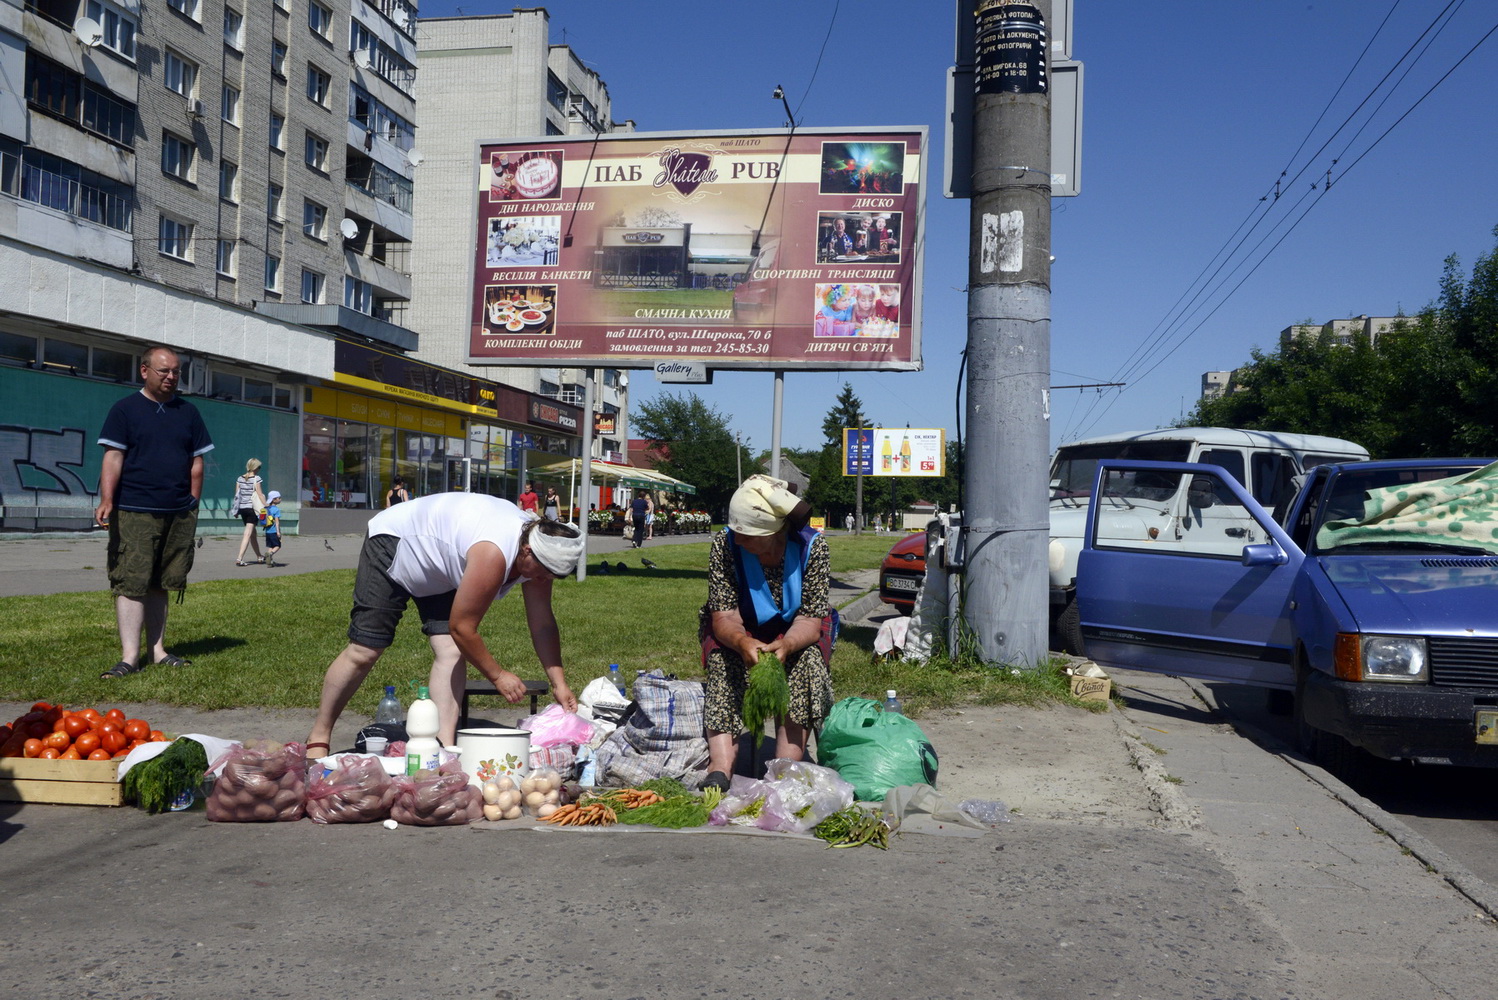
(858,451)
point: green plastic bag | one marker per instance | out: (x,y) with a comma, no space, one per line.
(875,750)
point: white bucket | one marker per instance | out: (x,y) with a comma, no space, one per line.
(488,753)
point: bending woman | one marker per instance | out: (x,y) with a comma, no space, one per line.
(248,503)
(768,585)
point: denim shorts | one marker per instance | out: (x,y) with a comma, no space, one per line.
(379,601)
(150,551)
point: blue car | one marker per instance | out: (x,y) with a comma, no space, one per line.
(1389,641)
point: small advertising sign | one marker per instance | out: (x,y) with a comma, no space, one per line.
(742,250)
(894,451)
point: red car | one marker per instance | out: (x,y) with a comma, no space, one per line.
(902,571)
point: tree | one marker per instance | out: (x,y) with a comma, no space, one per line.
(700,446)
(847,411)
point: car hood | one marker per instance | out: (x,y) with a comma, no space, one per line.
(1452,595)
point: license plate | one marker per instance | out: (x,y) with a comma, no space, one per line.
(906,583)
(1487,725)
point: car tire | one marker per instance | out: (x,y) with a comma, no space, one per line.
(1069,628)
(1328,750)
(1305,733)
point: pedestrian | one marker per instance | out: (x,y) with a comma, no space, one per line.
(454,554)
(528,499)
(848,521)
(397,493)
(552,510)
(768,587)
(272,527)
(150,482)
(248,503)
(638,508)
(649,517)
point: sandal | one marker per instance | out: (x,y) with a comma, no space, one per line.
(240,562)
(715,779)
(121,669)
(172,661)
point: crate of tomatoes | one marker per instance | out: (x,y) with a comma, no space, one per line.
(59,755)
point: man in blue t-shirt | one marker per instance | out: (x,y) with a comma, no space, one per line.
(152,476)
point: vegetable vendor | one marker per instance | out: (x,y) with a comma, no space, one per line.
(768,586)
(453,554)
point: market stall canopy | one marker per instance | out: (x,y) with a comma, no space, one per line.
(610,474)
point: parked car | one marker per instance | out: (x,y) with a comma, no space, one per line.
(1264,462)
(1388,639)
(901,572)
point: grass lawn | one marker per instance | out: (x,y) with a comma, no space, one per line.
(267,641)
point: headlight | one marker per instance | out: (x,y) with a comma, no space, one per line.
(1398,658)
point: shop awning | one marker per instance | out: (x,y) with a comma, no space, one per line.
(611,474)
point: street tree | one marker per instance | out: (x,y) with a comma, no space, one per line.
(699,447)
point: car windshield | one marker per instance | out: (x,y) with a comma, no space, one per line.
(1346,500)
(1075,467)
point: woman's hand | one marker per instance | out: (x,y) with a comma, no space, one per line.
(564,696)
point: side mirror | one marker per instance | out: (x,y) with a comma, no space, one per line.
(1265,554)
(1200,493)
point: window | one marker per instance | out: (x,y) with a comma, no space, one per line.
(15,347)
(358,295)
(316,153)
(229,105)
(174,238)
(108,115)
(226,385)
(49,180)
(228,181)
(177,156)
(62,93)
(273,195)
(117,365)
(233,28)
(272,273)
(314,219)
(223,261)
(556,93)
(318,84)
(188,8)
(258,392)
(312,287)
(179,73)
(277,129)
(319,19)
(278,59)
(119,28)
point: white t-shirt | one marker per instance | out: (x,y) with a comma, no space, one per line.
(436,533)
(244,491)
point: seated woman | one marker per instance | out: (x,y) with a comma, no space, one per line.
(768,585)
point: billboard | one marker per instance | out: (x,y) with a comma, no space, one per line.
(894,451)
(734,250)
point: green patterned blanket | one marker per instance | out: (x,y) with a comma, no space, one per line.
(1461,510)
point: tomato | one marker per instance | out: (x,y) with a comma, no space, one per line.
(33,748)
(106,727)
(75,726)
(71,753)
(114,742)
(39,729)
(99,755)
(51,753)
(136,729)
(59,740)
(92,715)
(87,743)
(40,706)
(157,736)
(115,715)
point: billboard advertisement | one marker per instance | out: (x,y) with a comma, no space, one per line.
(894,451)
(741,250)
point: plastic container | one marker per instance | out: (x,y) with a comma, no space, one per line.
(422,749)
(617,679)
(892,704)
(389,709)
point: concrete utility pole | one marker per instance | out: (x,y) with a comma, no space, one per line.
(1006,524)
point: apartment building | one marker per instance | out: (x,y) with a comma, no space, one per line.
(500,77)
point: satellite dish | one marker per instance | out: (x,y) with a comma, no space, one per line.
(400,17)
(349,228)
(623,380)
(88,31)
(414,157)
(361,58)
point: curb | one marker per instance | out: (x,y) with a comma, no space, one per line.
(860,607)
(1481,894)
(1165,797)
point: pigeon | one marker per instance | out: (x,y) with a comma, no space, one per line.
(649,563)
(622,568)
(327,545)
(604,567)
(200,543)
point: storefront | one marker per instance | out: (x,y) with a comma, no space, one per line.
(385,415)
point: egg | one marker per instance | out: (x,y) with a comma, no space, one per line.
(493,812)
(512,813)
(491,793)
(528,784)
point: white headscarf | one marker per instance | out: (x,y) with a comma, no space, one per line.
(760,506)
(558,553)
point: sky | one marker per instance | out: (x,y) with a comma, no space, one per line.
(1168,264)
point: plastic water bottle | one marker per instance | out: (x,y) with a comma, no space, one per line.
(892,704)
(389,709)
(618,681)
(423,752)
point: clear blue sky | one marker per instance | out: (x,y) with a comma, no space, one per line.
(1192,109)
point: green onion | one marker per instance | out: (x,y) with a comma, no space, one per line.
(767,695)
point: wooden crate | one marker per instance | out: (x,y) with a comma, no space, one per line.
(61,782)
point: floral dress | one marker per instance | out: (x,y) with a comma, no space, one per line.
(809,674)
